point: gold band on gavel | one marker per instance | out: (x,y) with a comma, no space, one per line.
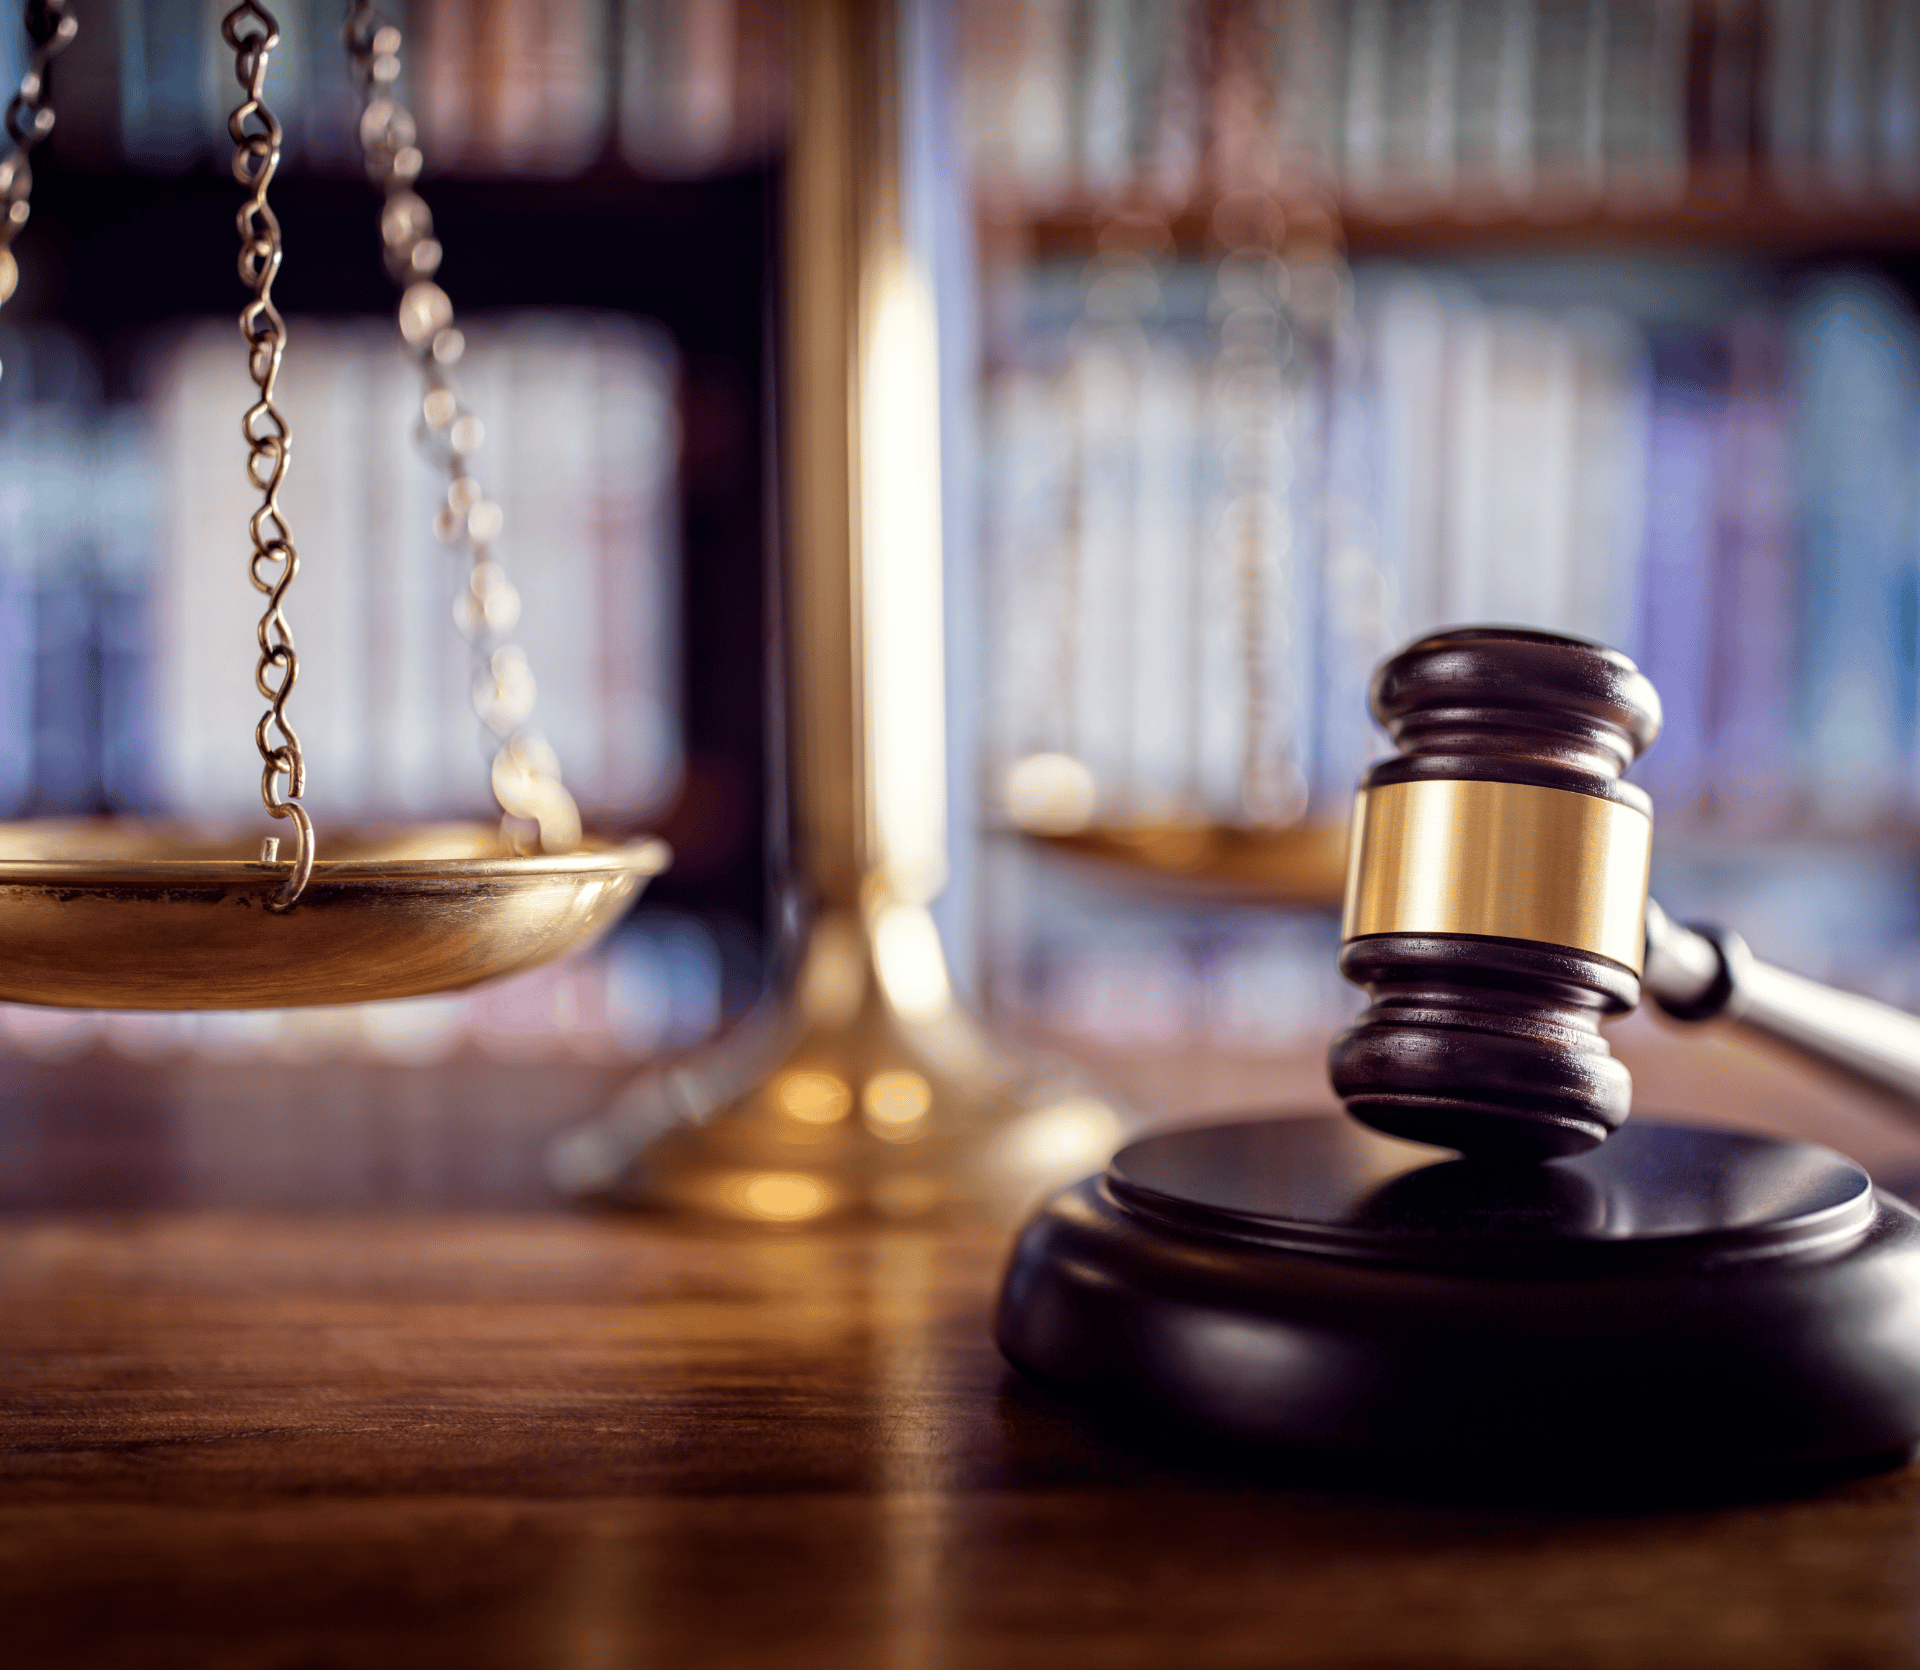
(1508,860)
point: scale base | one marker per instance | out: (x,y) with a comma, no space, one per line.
(866,1091)
(1676,1303)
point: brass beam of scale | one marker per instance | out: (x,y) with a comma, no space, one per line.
(116,914)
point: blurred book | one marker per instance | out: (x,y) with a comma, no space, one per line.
(1203,525)
(702,82)
(506,88)
(127,620)
(1754,586)
(1153,525)
(498,87)
(580,454)
(1676,613)
(1857,354)
(76,504)
(177,83)
(1422,107)
(1206,523)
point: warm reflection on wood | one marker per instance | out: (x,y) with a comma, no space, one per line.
(494,1440)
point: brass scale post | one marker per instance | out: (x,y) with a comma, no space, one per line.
(864,1087)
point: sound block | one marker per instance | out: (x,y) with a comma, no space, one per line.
(1695,1301)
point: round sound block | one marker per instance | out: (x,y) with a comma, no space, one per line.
(1682,1299)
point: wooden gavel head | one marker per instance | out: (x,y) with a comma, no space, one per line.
(1496,894)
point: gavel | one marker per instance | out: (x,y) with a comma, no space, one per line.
(1498,1299)
(1497,910)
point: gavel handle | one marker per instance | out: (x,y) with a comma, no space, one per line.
(1696,974)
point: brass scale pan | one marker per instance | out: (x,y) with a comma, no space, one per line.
(118,914)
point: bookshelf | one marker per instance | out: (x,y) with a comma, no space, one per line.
(1738,215)
(1625,344)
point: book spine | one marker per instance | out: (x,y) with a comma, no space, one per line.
(1854,351)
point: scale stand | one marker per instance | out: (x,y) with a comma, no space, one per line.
(1558,1296)
(865,1087)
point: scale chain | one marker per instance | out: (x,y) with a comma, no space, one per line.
(253,33)
(51,28)
(525,773)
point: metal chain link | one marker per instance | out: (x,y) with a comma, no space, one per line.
(253,34)
(51,28)
(536,807)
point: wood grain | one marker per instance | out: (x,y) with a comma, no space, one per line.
(419,1433)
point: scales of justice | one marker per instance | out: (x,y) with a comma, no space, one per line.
(1487,1261)
(124,915)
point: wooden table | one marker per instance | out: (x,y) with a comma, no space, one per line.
(301,1368)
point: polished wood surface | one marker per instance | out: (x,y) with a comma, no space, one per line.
(302,1367)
